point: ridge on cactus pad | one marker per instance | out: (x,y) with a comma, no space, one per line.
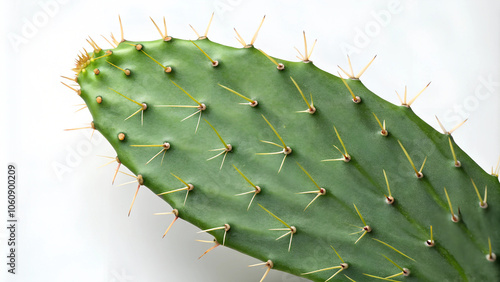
(309,172)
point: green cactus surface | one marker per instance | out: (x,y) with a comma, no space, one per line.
(239,146)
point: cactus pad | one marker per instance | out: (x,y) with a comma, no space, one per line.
(309,172)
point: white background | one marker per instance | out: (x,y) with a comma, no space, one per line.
(73,223)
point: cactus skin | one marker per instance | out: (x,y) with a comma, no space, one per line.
(460,248)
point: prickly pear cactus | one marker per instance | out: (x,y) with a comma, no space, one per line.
(307,171)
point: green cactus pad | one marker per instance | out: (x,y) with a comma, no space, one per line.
(168,111)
